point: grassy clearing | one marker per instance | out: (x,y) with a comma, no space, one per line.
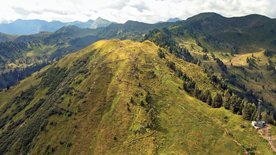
(121,98)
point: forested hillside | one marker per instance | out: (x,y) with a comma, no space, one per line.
(25,54)
(247,67)
(125,97)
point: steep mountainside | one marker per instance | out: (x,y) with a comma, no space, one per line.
(121,97)
(45,47)
(235,35)
(240,51)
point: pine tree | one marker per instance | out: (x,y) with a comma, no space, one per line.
(268,117)
(197,93)
(244,101)
(161,54)
(204,96)
(248,111)
(209,99)
(217,102)
(226,100)
(235,103)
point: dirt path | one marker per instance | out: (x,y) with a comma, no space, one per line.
(264,132)
(135,140)
(193,115)
(233,139)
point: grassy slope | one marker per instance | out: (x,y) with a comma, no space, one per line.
(254,79)
(247,35)
(104,119)
(264,85)
(48,46)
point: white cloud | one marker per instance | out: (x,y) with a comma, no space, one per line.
(122,10)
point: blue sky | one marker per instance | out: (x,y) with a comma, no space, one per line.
(149,11)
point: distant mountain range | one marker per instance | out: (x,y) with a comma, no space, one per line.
(25,27)
(36,26)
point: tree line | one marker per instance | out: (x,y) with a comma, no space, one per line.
(225,98)
(163,39)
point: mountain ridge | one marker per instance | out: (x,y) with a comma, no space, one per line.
(35,26)
(118,97)
(202,31)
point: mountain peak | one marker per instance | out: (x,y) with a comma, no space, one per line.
(254,16)
(99,19)
(173,19)
(129,22)
(206,15)
(100,22)
(68,28)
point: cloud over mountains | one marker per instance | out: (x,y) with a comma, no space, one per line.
(122,10)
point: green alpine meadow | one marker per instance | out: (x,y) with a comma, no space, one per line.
(138,78)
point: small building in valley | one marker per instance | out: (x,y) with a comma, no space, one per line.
(258,124)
